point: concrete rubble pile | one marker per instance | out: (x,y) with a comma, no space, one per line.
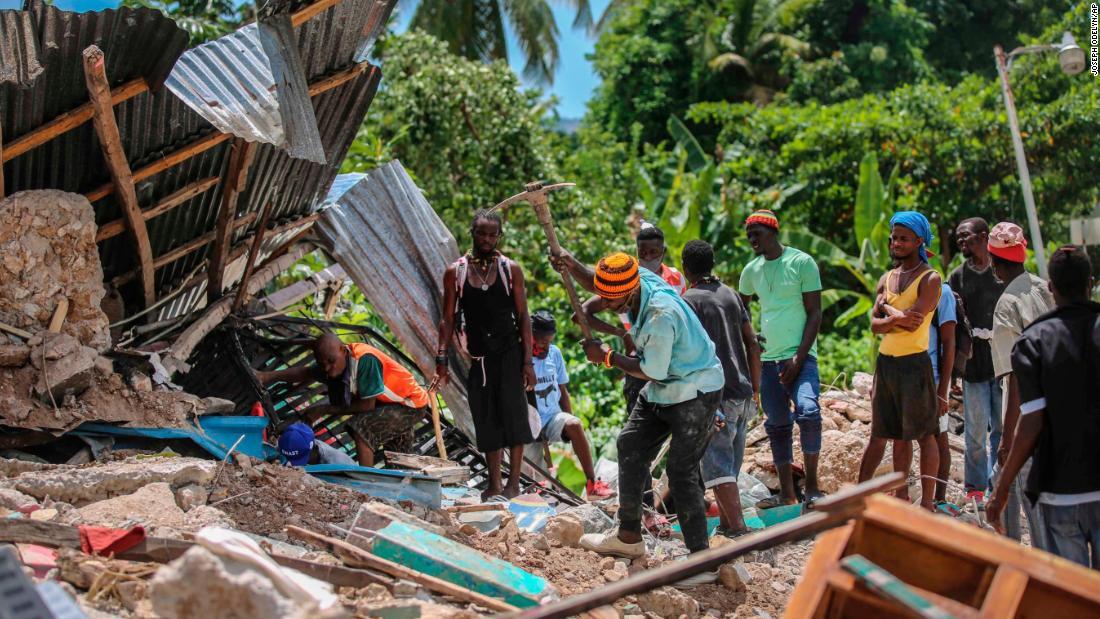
(231,546)
(50,275)
(845,430)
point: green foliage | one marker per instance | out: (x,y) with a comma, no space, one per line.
(840,356)
(474,29)
(204,20)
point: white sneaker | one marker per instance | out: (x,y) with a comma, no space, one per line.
(610,544)
(702,578)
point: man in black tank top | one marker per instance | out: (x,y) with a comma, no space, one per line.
(485,303)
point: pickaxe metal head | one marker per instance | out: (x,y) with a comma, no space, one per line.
(535,194)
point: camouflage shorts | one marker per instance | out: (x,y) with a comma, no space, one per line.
(388,426)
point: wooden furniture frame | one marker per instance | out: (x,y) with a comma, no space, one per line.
(966,571)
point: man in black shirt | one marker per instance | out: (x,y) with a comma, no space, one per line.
(727,323)
(1056,365)
(979,289)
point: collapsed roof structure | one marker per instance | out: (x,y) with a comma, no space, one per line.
(213,147)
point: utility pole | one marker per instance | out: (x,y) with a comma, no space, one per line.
(1021,164)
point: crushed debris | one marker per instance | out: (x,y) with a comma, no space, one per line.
(49,253)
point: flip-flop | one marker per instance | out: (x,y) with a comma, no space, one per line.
(770,503)
(808,504)
(728,534)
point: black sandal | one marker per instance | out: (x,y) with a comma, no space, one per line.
(770,503)
(808,504)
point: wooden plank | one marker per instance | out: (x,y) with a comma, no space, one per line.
(163,550)
(183,250)
(337,79)
(59,314)
(106,128)
(250,263)
(809,595)
(69,120)
(236,176)
(312,11)
(185,344)
(893,588)
(16,331)
(356,556)
(1005,593)
(840,507)
(199,146)
(171,201)
(983,547)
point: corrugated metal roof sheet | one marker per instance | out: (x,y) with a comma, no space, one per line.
(251,83)
(19,63)
(154,125)
(401,274)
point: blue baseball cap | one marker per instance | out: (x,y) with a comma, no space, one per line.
(296,443)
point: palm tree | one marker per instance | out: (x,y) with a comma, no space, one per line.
(475,29)
(750,34)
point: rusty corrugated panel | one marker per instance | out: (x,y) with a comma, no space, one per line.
(19,61)
(400,275)
(153,125)
(251,83)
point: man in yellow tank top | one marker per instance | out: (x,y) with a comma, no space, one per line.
(903,405)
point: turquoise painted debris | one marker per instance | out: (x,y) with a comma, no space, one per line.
(459,564)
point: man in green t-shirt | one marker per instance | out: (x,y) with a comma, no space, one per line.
(788,284)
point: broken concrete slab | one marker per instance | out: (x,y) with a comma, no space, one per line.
(15,500)
(13,467)
(153,505)
(199,584)
(80,486)
(68,375)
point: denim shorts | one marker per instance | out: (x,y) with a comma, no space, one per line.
(726,451)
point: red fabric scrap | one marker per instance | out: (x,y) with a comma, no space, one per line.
(106,541)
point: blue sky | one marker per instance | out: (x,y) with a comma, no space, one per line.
(573,84)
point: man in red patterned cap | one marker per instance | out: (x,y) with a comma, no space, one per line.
(1026,297)
(788,284)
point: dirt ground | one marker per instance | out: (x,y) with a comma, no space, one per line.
(573,571)
(265,498)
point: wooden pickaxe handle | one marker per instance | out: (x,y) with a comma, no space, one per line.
(542,211)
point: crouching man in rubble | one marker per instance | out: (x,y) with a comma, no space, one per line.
(382,396)
(686,380)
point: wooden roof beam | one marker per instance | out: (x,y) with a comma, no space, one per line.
(106,128)
(207,142)
(186,249)
(83,113)
(236,177)
(253,252)
(171,201)
(70,120)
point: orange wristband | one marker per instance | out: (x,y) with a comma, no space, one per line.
(607,358)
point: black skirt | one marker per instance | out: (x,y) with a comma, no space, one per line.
(498,400)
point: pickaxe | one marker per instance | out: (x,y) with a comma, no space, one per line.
(536,196)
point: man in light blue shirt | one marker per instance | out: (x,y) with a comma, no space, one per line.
(686,379)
